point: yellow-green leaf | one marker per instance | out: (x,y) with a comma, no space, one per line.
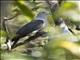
(2,33)
(68,6)
(25,9)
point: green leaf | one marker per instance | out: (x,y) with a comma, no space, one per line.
(68,6)
(61,42)
(2,33)
(25,9)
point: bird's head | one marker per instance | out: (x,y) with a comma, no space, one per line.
(58,21)
(42,16)
(61,23)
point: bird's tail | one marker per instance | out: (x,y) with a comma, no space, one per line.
(14,40)
(71,31)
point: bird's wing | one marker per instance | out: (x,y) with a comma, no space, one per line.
(30,27)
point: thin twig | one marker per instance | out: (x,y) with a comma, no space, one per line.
(5,18)
(5,27)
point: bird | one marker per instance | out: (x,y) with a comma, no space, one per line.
(35,25)
(66,30)
(60,22)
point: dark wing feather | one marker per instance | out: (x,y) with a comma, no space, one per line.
(29,28)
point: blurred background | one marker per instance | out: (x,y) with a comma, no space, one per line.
(56,45)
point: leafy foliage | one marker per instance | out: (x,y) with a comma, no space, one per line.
(25,9)
(57,47)
(3,33)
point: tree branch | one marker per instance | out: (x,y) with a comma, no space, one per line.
(49,5)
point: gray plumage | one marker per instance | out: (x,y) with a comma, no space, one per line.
(37,24)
